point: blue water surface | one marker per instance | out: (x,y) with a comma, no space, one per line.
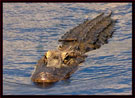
(30,29)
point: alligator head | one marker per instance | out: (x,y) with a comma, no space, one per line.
(56,65)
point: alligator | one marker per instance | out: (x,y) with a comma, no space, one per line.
(60,63)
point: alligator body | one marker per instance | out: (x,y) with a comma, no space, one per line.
(60,63)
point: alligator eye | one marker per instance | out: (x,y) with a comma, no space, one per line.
(66,59)
(64,55)
(45,57)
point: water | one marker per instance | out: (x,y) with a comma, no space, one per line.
(30,29)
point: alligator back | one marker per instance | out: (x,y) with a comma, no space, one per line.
(89,35)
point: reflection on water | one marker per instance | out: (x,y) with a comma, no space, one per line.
(30,29)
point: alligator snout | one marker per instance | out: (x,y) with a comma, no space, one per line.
(44,77)
(46,74)
(42,73)
(55,66)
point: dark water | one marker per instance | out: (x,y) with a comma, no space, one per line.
(30,29)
